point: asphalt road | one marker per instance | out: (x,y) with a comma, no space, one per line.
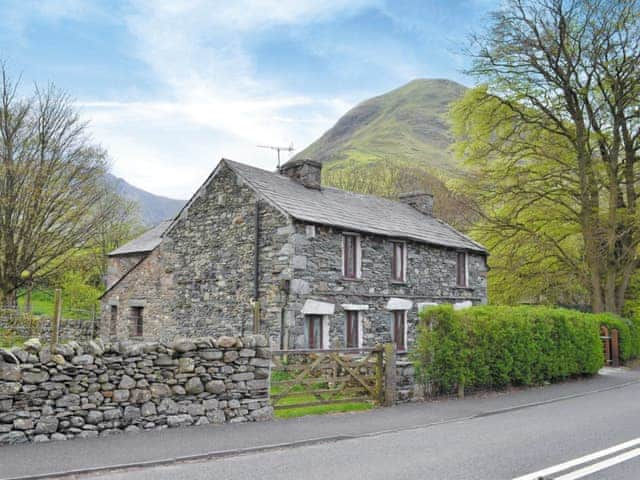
(505,445)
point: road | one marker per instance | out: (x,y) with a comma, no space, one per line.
(518,444)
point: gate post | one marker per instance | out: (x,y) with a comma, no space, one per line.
(379,374)
(389,375)
(615,348)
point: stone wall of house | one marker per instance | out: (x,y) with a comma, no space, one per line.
(213,260)
(88,390)
(200,279)
(149,285)
(317,274)
(118,265)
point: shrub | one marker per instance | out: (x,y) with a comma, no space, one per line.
(628,333)
(492,347)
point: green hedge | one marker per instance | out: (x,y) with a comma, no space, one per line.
(490,347)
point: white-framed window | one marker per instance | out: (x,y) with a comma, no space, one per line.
(399,329)
(398,261)
(316,331)
(351,256)
(462,273)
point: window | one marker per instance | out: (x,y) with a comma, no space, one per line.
(399,261)
(114,321)
(400,329)
(315,334)
(351,256)
(136,321)
(353,329)
(461,268)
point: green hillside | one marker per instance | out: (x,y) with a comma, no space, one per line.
(394,143)
(406,124)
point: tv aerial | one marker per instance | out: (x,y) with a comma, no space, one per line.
(278,149)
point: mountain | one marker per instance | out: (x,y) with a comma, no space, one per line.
(405,124)
(153,208)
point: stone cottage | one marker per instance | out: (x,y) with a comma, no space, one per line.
(277,253)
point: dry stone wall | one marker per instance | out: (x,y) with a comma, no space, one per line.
(88,390)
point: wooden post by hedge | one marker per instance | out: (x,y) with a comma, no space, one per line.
(389,375)
(615,348)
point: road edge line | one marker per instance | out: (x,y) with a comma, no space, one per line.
(307,442)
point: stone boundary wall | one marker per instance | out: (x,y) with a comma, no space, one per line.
(407,387)
(87,390)
(70,329)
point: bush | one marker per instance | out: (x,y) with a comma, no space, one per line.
(492,347)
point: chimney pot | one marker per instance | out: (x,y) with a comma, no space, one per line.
(304,171)
(421,201)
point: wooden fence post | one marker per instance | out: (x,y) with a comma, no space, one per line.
(389,374)
(380,374)
(615,348)
(57,314)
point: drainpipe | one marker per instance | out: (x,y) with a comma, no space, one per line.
(256,273)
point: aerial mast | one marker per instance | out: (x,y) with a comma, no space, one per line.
(278,149)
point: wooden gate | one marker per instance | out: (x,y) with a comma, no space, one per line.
(303,378)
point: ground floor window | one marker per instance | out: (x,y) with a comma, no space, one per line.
(353,329)
(113,323)
(136,321)
(314,331)
(399,330)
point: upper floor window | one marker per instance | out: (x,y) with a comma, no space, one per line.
(351,256)
(399,262)
(461,269)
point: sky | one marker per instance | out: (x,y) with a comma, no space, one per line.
(170,87)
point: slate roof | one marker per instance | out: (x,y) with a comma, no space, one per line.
(351,211)
(145,242)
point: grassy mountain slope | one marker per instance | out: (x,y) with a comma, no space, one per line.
(406,124)
(153,208)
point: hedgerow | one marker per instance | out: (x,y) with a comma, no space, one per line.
(491,347)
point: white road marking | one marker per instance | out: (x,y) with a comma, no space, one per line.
(579,461)
(596,467)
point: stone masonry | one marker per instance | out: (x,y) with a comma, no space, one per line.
(201,278)
(88,390)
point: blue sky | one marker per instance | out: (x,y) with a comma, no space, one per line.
(170,87)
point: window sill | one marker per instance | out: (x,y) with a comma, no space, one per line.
(349,279)
(460,287)
(398,282)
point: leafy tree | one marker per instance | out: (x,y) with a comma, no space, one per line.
(50,182)
(391,178)
(554,137)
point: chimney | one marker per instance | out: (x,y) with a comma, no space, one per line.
(421,201)
(304,171)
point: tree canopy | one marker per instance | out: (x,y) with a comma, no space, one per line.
(552,140)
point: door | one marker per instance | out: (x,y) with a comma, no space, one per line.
(314,331)
(399,322)
(353,333)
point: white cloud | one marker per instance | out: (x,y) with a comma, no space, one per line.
(213,105)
